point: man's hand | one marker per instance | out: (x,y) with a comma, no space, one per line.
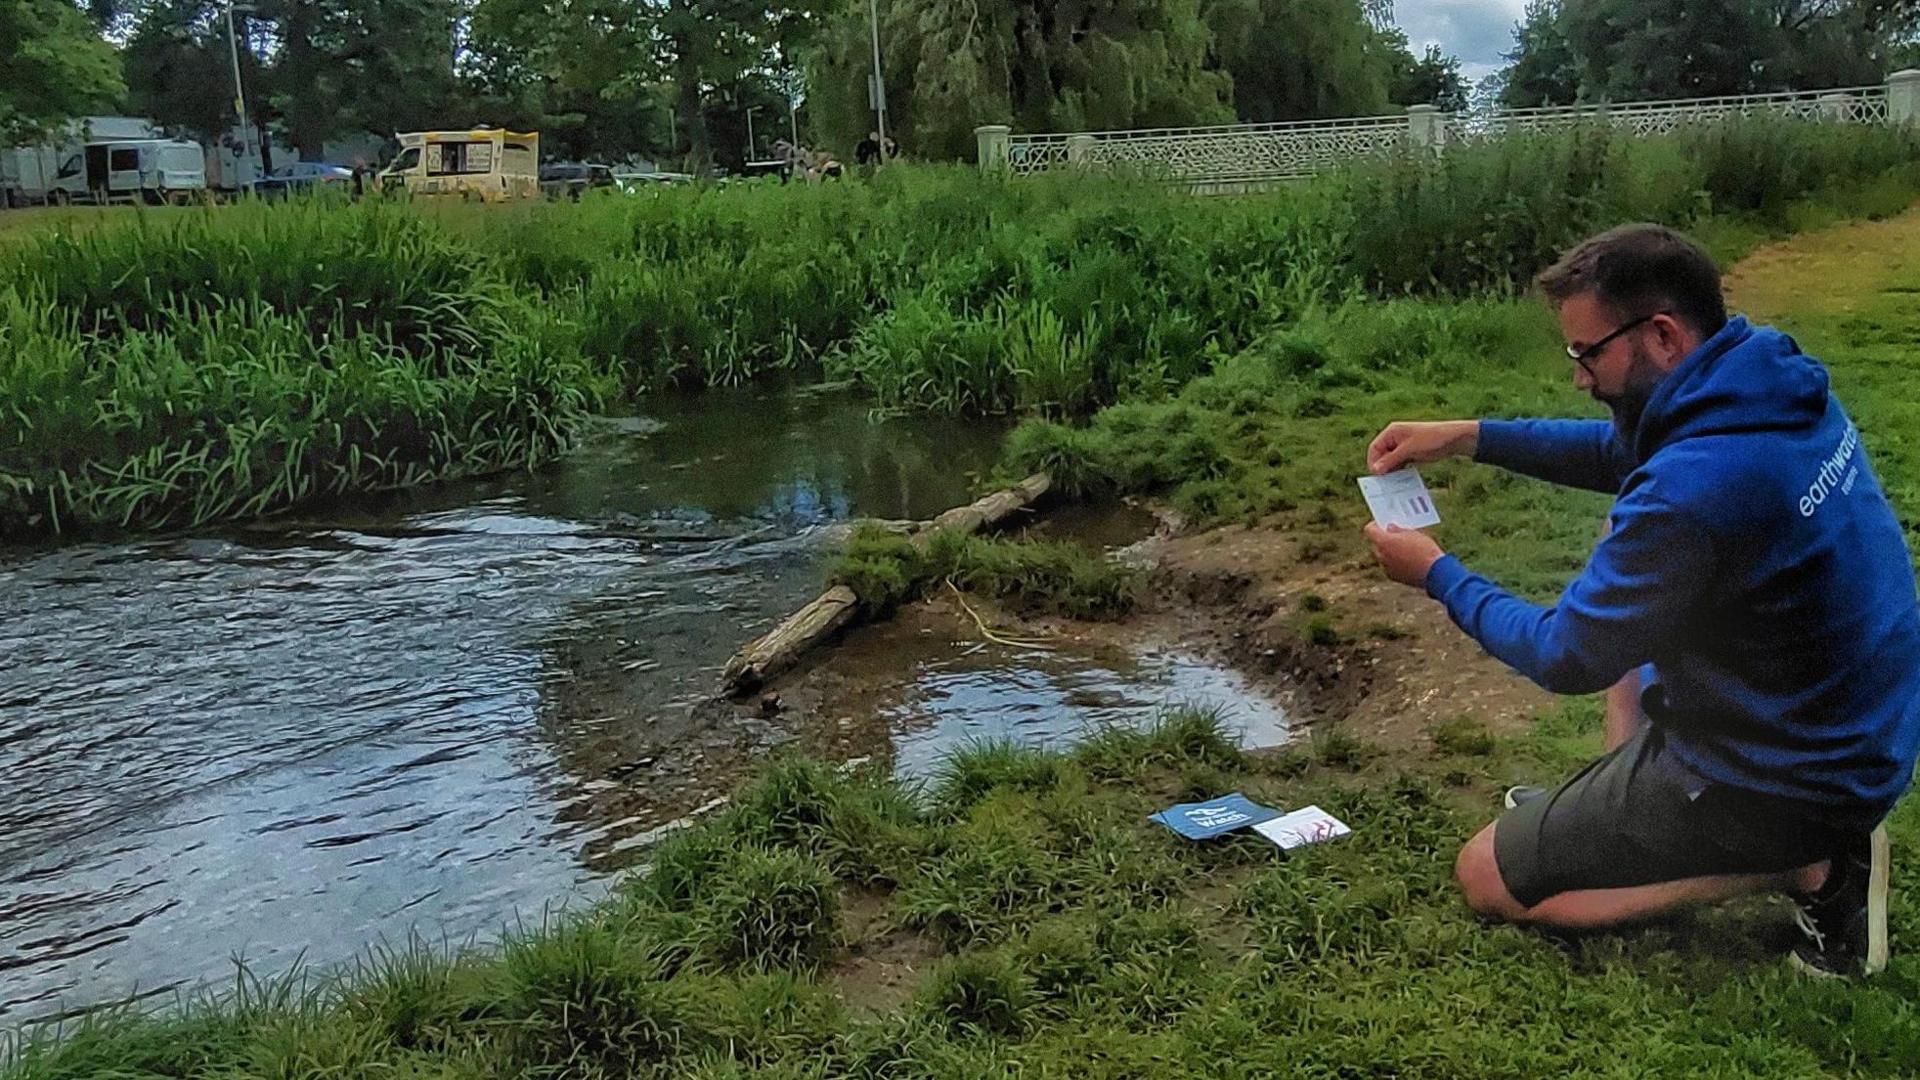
(1404,443)
(1405,554)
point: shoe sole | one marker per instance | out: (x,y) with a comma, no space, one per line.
(1507,800)
(1877,901)
(1811,972)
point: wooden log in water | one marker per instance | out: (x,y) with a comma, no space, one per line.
(831,612)
(992,509)
(783,645)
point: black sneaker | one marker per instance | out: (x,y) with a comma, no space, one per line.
(1522,794)
(1846,921)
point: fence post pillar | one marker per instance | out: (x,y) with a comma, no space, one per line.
(1836,106)
(1079,150)
(1423,126)
(1903,97)
(993,140)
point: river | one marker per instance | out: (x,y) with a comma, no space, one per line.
(453,711)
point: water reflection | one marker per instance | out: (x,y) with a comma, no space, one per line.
(1049,699)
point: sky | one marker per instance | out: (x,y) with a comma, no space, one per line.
(1476,31)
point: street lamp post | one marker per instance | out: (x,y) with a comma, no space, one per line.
(879,82)
(239,91)
(749,133)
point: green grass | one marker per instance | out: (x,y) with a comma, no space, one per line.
(1075,939)
(885,569)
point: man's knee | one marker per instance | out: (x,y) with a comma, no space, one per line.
(1480,882)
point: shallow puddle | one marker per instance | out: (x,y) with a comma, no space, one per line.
(926,683)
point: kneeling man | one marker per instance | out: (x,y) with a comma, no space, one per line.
(1753,599)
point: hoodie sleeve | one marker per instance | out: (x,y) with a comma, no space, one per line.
(1633,596)
(1573,453)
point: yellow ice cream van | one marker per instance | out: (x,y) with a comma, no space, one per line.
(485,163)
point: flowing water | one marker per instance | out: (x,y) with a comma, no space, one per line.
(455,710)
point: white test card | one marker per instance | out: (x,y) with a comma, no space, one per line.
(1400,498)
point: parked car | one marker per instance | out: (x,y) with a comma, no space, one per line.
(303,176)
(630,181)
(573,179)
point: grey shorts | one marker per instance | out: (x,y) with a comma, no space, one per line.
(1638,816)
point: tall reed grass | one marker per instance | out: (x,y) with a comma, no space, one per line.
(237,361)
(944,289)
(233,363)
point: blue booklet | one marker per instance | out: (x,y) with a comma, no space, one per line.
(1206,820)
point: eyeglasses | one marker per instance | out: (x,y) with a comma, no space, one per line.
(1581,356)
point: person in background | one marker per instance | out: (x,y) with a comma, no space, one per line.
(1754,593)
(793,159)
(867,153)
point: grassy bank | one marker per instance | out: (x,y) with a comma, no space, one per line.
(231,363)
(174,368)
(1047,929)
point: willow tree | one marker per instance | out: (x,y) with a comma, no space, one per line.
(1307,59)
(1073,66)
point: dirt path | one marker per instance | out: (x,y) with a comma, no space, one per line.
(1305,613)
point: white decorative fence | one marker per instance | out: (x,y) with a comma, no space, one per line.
(1239,155)
(1859,105)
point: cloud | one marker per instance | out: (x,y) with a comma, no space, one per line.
(1476,31)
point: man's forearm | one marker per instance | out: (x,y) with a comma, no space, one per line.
(1573,453)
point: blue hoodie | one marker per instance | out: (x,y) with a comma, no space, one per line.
(1755,565)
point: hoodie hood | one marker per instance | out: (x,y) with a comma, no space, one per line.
(1743,379)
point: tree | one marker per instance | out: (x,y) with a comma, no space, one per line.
(726,112)
(1036,65)
(1644,49)
(1434,79)
(703,45)
(353,66)
(54,67)
(1624,50)
(581,72)
(1306,59)
(316,69)
(1541,69)
(177,67)
(1826,43)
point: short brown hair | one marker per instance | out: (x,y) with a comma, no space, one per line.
(1639,270)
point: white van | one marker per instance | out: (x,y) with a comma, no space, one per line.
(29,174)
(153,170)
(26,174)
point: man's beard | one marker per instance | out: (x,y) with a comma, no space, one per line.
(1643,377)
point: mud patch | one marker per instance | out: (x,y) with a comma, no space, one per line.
(882,965)
(1332,635)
